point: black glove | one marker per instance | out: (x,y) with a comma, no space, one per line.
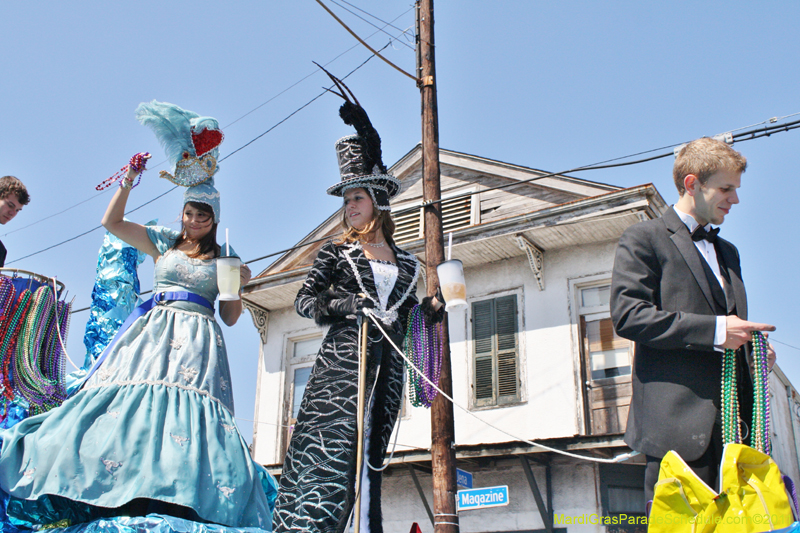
(350,305)
(439,295)
(431,315)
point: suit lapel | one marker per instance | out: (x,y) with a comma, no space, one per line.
(729,256)
(683,242)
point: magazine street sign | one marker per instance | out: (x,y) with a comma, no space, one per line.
(470,499)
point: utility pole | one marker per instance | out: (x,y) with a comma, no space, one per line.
(443,455)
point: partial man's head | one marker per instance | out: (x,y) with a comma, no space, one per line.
(707,173)
(13,195)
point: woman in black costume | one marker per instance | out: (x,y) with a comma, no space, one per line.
(362,268)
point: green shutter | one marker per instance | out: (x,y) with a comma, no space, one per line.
(482,334)
(507,368)
(494,332)
(484,382)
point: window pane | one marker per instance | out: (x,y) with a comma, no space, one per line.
(307,347)
(625,500)
(609,354)
(603,337)
(596,296)
(611,363)
(301,376)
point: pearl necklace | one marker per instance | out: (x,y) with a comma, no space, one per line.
(376,244)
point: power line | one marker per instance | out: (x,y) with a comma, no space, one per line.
(292,86)
(54,214)
(312,73)
(608,163)
(223,159)
(371,24)
(290,115)
(376,18)
(91,230)
(739,137)
(783,343)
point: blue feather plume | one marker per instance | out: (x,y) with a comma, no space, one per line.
(171,124)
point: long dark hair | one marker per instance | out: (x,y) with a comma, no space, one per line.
(208,245)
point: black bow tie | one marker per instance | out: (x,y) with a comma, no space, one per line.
(700,233)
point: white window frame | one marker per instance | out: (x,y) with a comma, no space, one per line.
(291,364)
(576,310)
(521,355)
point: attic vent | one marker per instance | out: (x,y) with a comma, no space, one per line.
(456,214)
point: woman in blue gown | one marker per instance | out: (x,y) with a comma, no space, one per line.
(151,430)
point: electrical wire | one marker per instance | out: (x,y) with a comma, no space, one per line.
(223,159)
(89,231)
(54,214)
(784,344)
(370,23)
(619,458)
(606,164)
(312,73)
(292,86)
(359,39)
(377,18)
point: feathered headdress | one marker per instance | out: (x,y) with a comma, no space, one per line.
(360,156)
(192,146)
(190,141)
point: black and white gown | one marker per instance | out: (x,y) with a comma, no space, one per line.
(317,488)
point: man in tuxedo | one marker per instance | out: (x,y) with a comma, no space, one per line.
(13,195)
(677,292)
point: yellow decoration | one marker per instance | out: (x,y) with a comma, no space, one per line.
(753,496)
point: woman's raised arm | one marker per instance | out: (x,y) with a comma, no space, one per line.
(114,219)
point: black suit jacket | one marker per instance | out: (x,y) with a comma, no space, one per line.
(662,299)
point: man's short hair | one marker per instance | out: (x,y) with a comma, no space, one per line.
(10,185)
(704,157)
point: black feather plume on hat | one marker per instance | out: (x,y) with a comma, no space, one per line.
(354,115)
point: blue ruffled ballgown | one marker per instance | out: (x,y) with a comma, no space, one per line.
(155,422)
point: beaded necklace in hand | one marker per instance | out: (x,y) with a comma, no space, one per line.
(138,163)
(761,416)
(760,437)
(423,347)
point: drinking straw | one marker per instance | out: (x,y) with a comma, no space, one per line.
(450,246)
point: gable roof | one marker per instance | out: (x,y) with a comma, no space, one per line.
(496,202)
(460,173)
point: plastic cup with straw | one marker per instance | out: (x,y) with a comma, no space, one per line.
(228,280)
(451,280)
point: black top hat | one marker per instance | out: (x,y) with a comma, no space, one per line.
(360,164)
(360,159)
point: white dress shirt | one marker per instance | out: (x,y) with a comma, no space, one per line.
(709,253)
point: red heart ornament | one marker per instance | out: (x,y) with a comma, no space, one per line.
(206,140)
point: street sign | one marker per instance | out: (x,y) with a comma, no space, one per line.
(470,499)
(463,478)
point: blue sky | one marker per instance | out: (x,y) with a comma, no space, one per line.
(549,85)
